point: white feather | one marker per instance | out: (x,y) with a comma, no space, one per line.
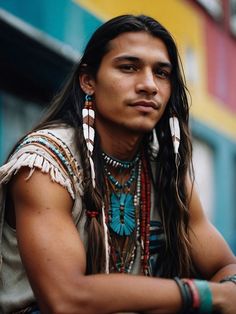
(90,147)
(91,113)
(84,112)
(174,127)
(89,132)
(154,144)
(175,133)
(92,171)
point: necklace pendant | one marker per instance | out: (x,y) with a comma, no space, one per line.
(122,212)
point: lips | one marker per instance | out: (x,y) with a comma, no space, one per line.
(146,104)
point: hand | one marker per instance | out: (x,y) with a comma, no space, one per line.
(224,297)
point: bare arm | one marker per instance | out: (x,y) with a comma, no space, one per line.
(210,252)
(55,260)
(212,256)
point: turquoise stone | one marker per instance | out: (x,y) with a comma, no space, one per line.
(122,213)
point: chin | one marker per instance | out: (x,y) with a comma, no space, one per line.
(143,125)
(143,128)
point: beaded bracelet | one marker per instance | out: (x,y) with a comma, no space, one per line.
(194,292)
(196,296)
(185,295)
(205,295)
(231,278)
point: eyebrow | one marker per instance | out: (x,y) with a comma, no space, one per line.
(162,64)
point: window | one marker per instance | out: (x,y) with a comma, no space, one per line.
(17,117)
(203,162)
(191,65)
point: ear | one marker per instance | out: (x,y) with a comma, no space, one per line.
(87,83)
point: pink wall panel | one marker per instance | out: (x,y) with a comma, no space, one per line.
(221,63)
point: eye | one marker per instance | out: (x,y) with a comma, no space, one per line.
(164,74)
(128,68)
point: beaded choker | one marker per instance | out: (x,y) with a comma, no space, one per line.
(116,163)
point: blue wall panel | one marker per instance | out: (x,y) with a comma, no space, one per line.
(225,190)
(61,19)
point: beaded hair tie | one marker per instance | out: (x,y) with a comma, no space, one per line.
(92,214)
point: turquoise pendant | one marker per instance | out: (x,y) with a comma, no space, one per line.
(122,213)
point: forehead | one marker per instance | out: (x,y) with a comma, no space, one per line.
(138,44)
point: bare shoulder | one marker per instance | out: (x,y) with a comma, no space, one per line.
(38,191)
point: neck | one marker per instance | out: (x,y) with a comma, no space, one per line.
(122,145)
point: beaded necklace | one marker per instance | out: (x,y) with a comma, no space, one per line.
(138,226)
(123,248)
(145,216)
(122,208)
(120,163)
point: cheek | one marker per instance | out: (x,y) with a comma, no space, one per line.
(163,108)
(167,92)
(117,85)
(107,98)
(109,86)
(110,93)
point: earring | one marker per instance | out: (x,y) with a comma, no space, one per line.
(175,133)
(88,115)
(154,145)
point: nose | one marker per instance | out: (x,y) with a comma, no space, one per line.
(146,83)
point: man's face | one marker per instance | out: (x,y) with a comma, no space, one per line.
(132,86)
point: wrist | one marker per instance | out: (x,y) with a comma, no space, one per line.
(196,296)
(204,296)
(219,293)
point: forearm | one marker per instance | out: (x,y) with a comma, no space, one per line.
(223,272)
(118,293)
(115,293)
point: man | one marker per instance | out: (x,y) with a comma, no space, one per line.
(110,191)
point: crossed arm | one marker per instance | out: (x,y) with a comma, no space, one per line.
(55,260)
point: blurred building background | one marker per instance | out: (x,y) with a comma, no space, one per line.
(40,40)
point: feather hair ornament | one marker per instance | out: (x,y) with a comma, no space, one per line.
(88,115)
(154,146)
(175,133)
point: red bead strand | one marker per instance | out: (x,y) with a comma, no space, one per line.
(145,212)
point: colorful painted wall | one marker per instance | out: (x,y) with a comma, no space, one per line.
(207,52)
